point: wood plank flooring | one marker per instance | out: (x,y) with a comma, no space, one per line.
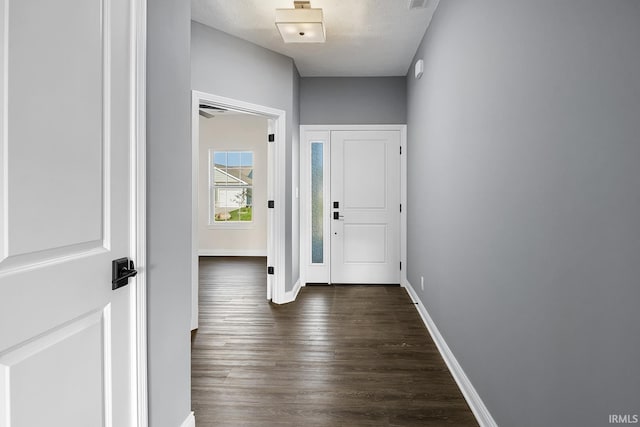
(338,356)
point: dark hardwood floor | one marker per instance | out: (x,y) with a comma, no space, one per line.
(338,356)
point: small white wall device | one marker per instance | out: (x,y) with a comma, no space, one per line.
(418,4)
(419,68)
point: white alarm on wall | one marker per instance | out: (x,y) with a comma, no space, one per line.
(419,68)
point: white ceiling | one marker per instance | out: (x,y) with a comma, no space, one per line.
(364,37)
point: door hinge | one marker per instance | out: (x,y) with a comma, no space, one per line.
(400,207)
(400,265)
(272,137)
(400,150)
(271,204)
(270,270)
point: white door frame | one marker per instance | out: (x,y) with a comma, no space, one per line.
(138,221)
(305,213)
(275,191)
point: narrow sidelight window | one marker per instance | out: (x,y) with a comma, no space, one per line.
(317,203)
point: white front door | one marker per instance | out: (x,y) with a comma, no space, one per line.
(365,207)
(65,213)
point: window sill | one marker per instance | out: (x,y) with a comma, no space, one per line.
(232,226)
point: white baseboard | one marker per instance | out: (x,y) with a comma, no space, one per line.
(292,294)
(232,252)
(190,421)
(470,394)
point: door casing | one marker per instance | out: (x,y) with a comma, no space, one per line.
(138,220)
(275,191)
(308,132)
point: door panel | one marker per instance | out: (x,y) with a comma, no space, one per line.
(65,130)
(51,359)
(49,78)
(365,182)
(364,174)
(365,243)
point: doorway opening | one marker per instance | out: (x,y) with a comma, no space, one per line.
(236,186)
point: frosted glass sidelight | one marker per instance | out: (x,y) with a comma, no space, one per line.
(317,203)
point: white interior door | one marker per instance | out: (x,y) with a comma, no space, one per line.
(65,133)
(365,207)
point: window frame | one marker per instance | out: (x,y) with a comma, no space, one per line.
(212,222)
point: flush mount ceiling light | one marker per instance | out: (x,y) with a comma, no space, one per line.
(301,24)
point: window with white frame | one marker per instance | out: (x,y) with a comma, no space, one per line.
(230,186)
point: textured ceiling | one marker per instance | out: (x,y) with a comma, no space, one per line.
(364,37)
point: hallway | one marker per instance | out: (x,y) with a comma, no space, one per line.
(339,355)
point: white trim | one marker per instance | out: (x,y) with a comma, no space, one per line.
(292,294)
(107,354)
(139,385)
(195,167)
(190,421)
(403,203)
(470,394)
(233,225)
(351,127)
(106,117)
(233,252)
(304,209)
(277,218)
(271,239)
(4,129)
(275,191)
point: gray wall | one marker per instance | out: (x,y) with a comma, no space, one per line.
(169,211)
(524,202)
(227,66)
(352,100)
